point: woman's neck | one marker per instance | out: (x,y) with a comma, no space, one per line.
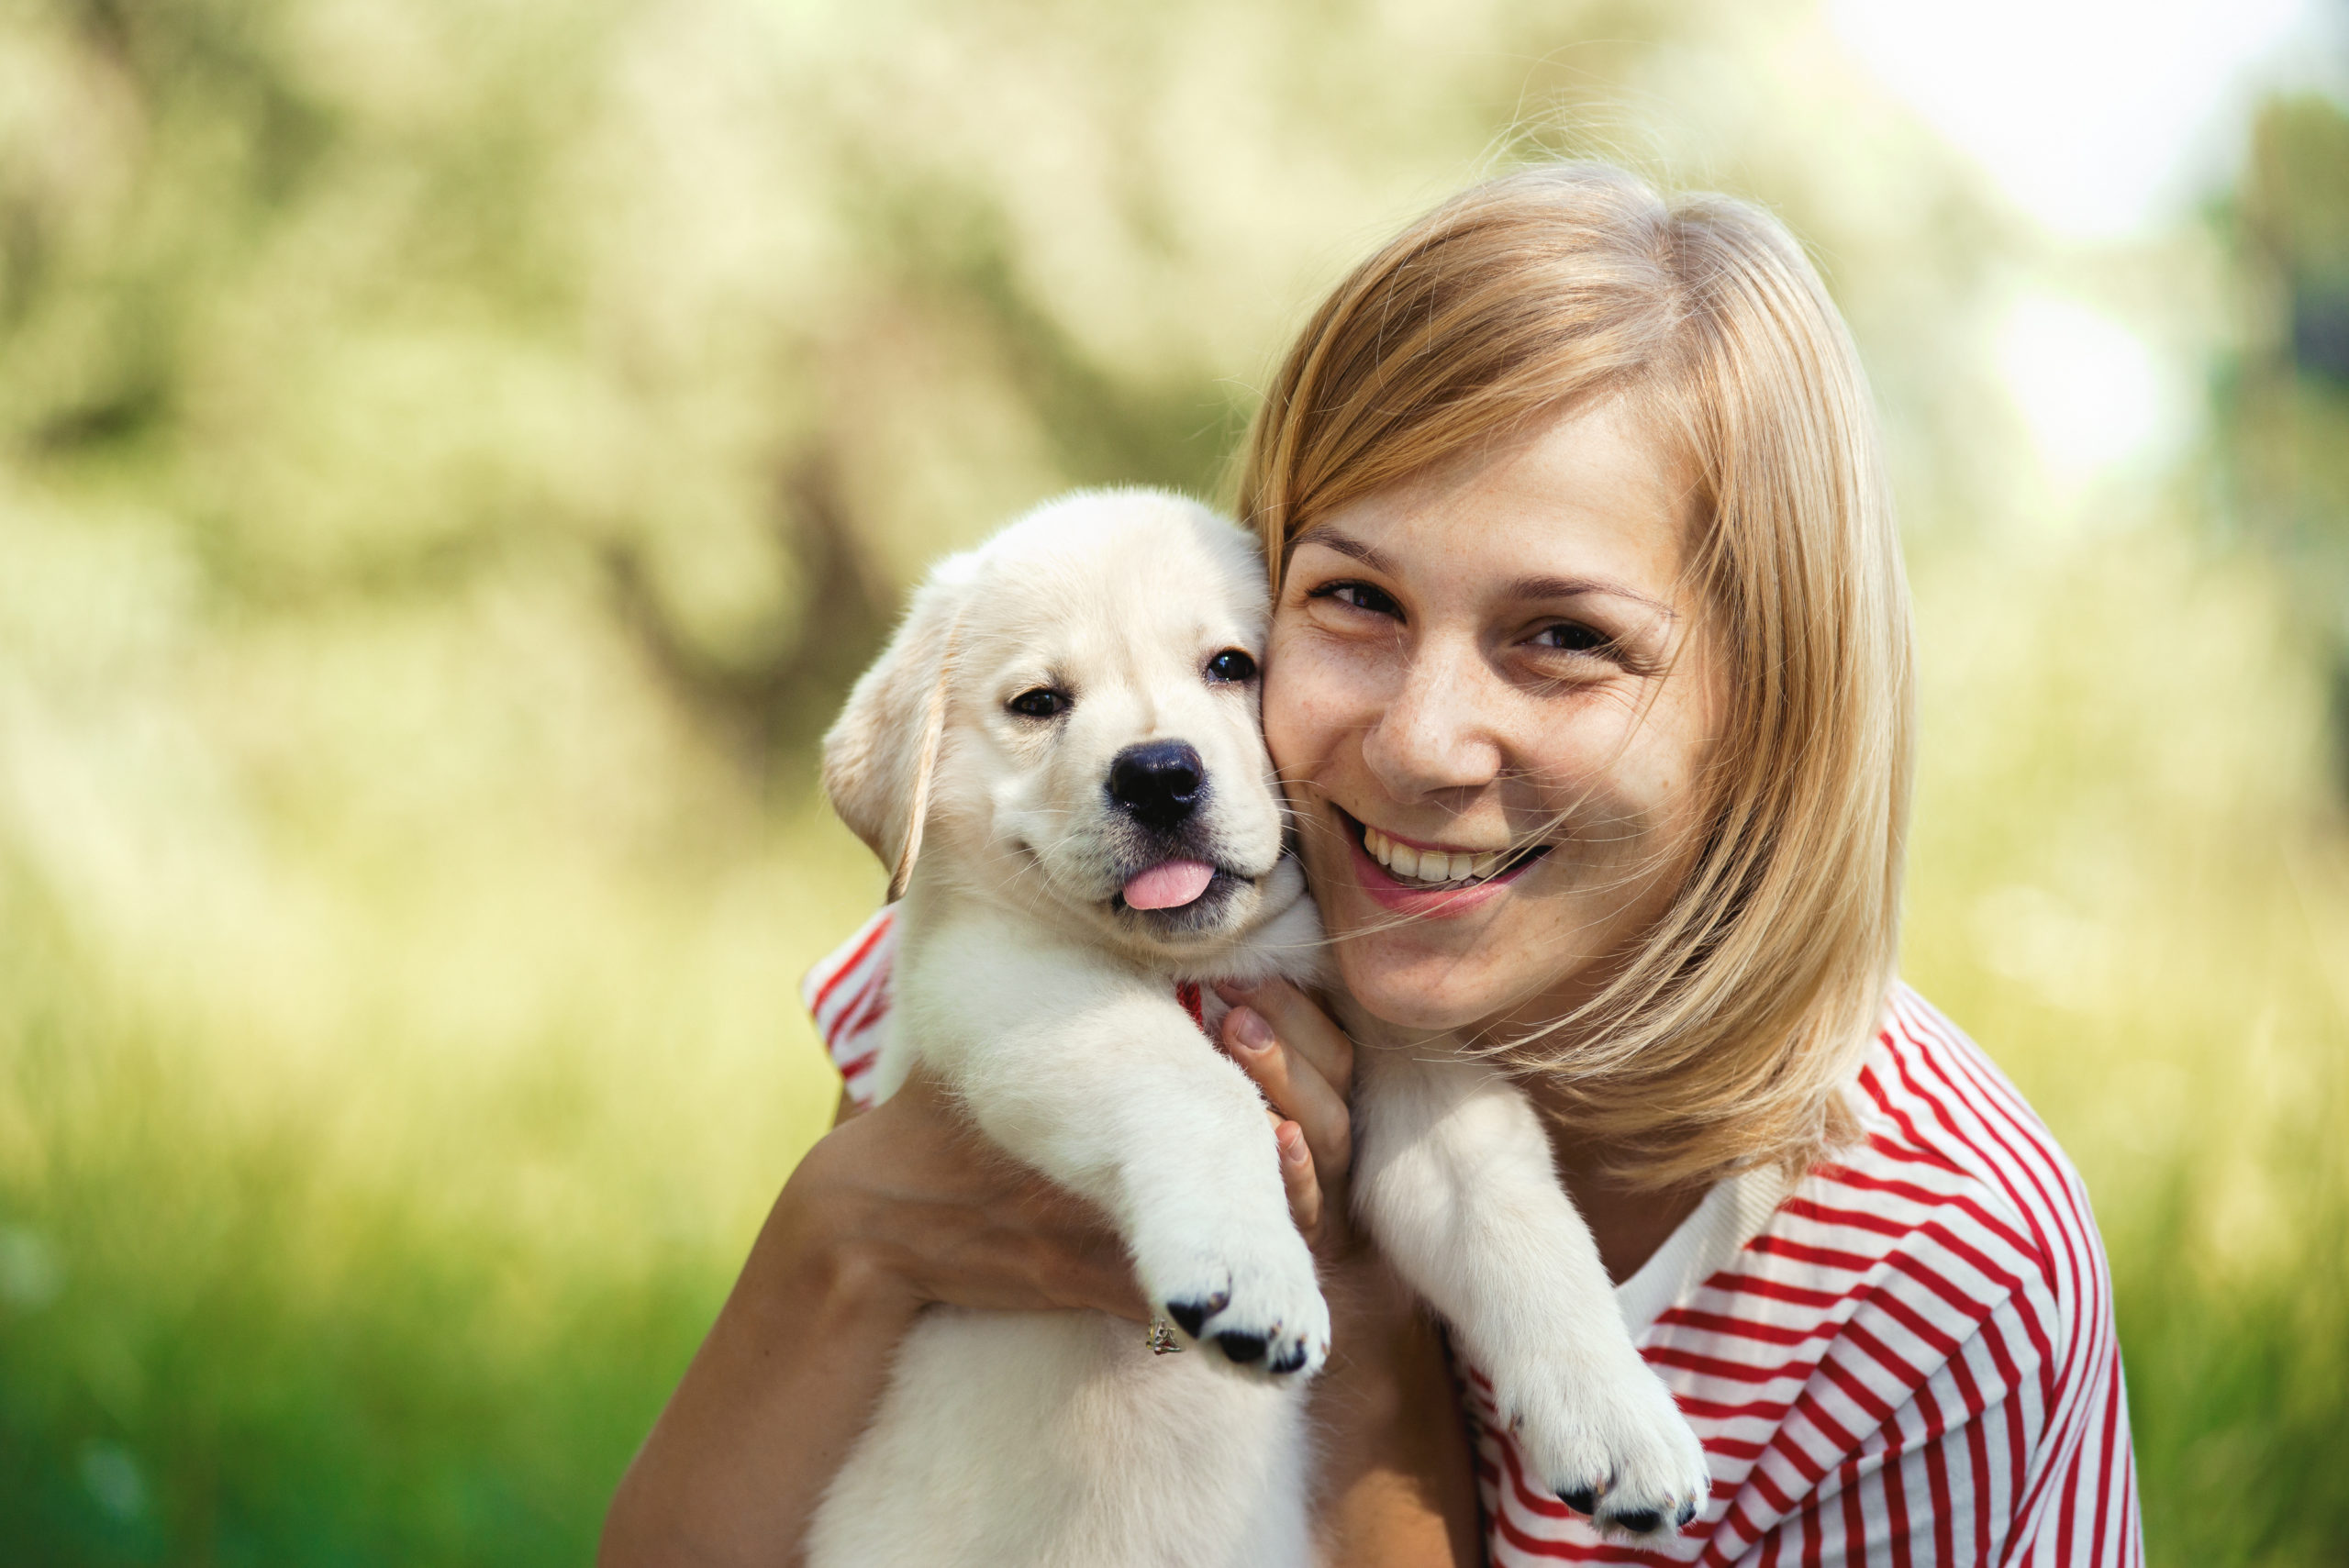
(1628,1223)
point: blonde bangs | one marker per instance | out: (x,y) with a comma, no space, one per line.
(1727,1040)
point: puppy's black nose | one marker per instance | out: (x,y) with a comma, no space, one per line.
(1158,783)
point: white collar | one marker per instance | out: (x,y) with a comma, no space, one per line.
(1732,1213)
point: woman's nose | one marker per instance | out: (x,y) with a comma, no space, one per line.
(1438,733)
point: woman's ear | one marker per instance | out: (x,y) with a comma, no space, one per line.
(880,753)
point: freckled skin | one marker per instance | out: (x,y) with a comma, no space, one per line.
(1503,651)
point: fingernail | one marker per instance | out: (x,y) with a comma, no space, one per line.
(1292,1142)
(1250,1026)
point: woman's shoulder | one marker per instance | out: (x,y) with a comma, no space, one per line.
(1952,1154)
(1921,1326)
(1953,1234)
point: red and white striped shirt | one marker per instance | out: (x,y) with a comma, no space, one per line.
(848,993)
(1906,1359)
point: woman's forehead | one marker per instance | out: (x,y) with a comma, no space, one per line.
(1592,501)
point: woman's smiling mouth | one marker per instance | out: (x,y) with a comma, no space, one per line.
(1428,879)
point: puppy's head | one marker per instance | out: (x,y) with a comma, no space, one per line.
(1069,715)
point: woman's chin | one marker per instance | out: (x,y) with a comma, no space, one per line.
(1420,992)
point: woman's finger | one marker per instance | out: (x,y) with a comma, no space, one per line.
(1304,1187)
(1083,1263)
(1054,1245)
(981,1230)
(1297,1090)
(1302,1027)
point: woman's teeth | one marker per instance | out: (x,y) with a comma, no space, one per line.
(1408,865)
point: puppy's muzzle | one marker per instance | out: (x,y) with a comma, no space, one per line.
(1159,784)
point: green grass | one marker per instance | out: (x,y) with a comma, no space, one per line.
(216,1349)
(230,1375)
(391,1306)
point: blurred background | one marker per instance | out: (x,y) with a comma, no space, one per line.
(454,453)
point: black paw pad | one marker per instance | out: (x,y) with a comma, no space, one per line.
(1639,1521)
(1191,1313)
(1686,1517)
(1288,1360)
(1241,1347)
(1582,1500)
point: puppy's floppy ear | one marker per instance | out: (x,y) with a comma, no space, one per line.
(881,751)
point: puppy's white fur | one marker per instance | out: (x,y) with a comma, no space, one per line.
(1049,1010)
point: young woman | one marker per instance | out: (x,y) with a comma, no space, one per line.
(1572,501)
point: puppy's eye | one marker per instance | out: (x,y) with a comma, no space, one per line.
(1042,702)
(1231,664)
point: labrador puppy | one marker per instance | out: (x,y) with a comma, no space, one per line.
(1058,757)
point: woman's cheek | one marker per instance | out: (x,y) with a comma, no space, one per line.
(1294,700)
(1317,689)
(1662,763)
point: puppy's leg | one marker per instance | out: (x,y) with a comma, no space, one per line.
(1453,1175)
(1099,1079)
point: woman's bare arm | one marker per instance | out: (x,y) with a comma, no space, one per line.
(892,1210)
(767,1410)
(1396,1486)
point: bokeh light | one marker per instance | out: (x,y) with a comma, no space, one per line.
(2095,117)
(2095,395)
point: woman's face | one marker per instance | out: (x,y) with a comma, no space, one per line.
(1491,694)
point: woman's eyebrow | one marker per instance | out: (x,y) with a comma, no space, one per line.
(1330,538)
(1575,587)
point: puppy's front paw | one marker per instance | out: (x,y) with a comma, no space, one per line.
(1257,1307)
(1606,1439)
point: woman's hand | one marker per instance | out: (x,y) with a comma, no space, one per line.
(907,1204)
(1304,1066)
(913,1198)
(926,1209)
(1395,1488)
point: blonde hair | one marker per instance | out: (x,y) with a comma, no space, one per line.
(1725,1039)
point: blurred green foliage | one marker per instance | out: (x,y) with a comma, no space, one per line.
(2283,398)
(453,455)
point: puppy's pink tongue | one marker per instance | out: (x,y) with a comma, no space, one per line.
(1169,886)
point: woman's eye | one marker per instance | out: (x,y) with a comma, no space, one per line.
(1043,702)
(1362,597)
(1231,664)
(1573,638)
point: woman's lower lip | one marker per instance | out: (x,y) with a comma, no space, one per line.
(1389,892)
